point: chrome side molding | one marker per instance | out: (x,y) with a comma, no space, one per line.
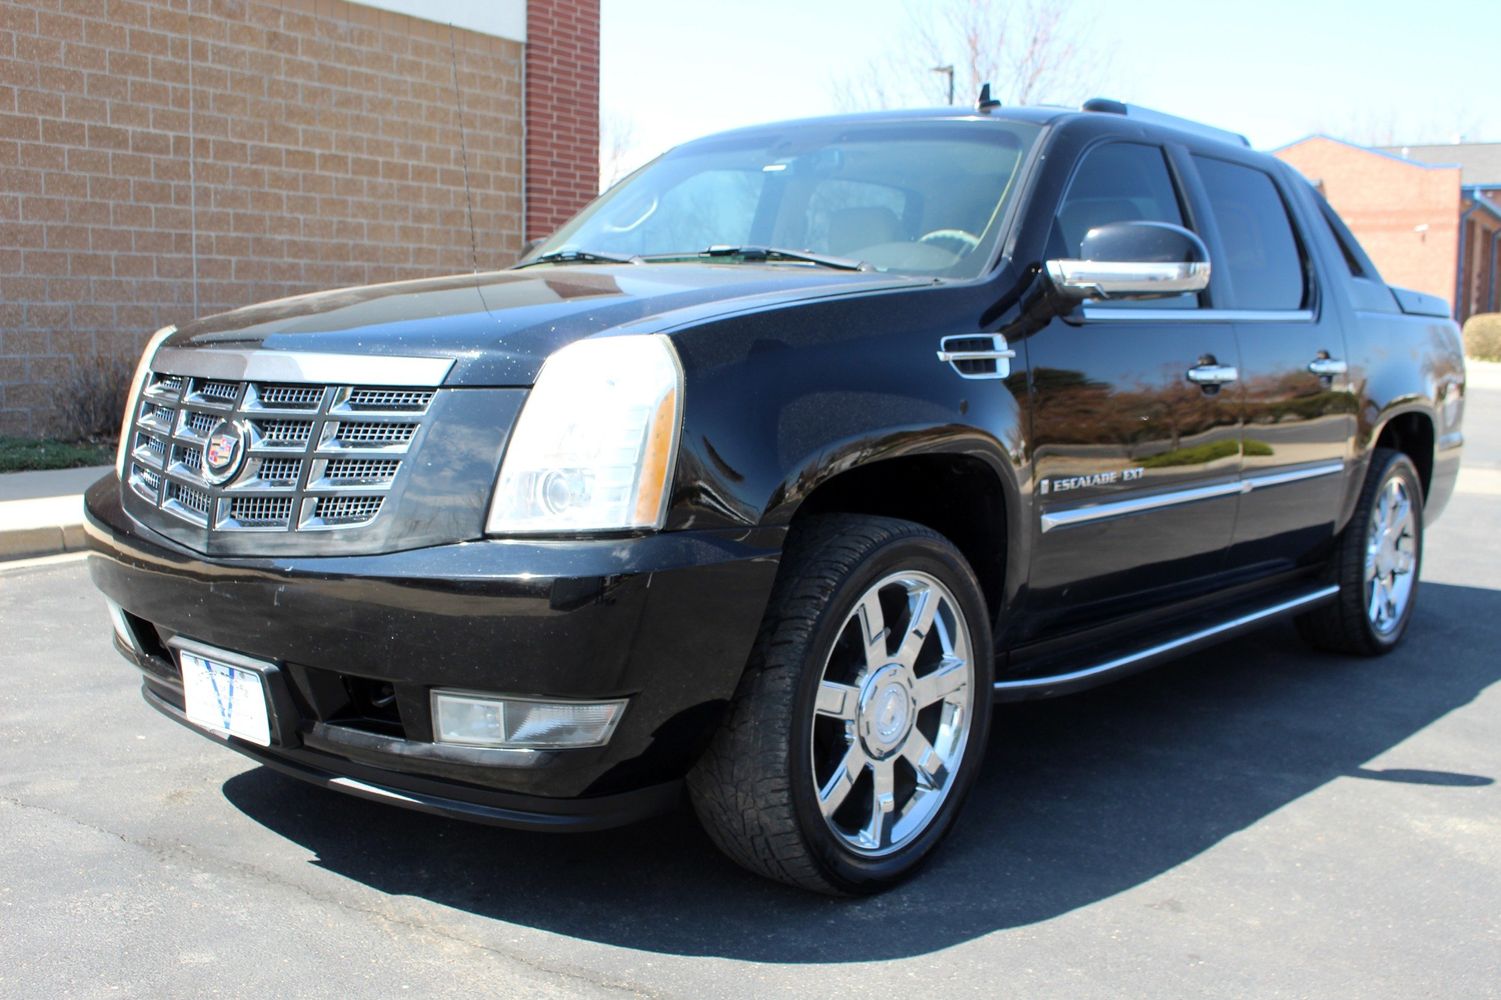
(1068,517)
(1120,666)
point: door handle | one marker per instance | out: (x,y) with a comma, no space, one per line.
(1213,375)
(1327,367)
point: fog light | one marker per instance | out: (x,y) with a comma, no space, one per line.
(479,720)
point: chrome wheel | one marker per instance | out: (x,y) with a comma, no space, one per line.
(1390,558)
(893,713)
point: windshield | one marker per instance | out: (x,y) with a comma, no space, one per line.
(923,198)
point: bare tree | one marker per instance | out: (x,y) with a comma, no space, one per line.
(617,147)
(1030,51)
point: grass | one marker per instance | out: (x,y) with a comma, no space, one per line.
(26,455)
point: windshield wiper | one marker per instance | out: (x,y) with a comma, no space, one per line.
(567,256)
(754,253)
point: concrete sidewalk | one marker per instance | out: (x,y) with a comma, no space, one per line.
(41,513)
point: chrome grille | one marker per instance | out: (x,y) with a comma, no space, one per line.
(347,442)
(283,433)
(344,509)
(280,470)
(261,512)
(400,400)
(362,470)
(289,397)
(355,434)
(199,424)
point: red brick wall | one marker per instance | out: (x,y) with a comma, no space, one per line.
(562,111)
(1405,215)
(325,148)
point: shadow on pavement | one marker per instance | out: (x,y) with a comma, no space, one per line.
(1081,798)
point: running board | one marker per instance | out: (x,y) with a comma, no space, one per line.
(1077,680)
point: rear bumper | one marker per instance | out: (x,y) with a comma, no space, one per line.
(665,621)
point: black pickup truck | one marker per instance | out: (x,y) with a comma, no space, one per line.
(769,473)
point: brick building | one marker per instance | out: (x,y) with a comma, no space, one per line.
(1425,219)
(161,159)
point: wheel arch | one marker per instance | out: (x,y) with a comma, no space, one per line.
(1412,432)
(971,500)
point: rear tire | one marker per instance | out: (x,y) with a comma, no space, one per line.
(864,712)
(1376,564)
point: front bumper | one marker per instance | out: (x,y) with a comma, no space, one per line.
(666,621)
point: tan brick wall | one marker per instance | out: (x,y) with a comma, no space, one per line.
(313,143)
(1406,216)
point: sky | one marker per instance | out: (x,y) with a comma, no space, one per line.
(1274,71)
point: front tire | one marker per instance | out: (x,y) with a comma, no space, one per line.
(1376,564)
(863,714)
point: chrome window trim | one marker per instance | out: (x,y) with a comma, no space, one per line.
(1115,314)
(1141,656)
(1071,516)
(245,365)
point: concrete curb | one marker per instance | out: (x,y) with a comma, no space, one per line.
(41,513)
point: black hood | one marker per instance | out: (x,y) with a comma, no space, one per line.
(500,326)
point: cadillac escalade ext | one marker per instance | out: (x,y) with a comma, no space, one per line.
(770,472)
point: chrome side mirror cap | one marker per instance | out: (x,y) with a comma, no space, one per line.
(1133,260)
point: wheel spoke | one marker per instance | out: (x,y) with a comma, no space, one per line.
(882,804)
(872,630)
(951,677)
(1377,609)
(834,791)
(932,772)
(839,701)
(923,604)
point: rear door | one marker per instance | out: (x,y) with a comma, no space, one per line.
(1136,466)
(1298,411)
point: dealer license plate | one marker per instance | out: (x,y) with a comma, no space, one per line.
(225,699)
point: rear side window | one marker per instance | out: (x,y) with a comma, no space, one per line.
(1265,267)
(1118,182)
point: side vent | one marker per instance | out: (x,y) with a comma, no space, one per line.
(978,355)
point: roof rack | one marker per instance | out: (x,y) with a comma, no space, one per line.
(1105,105)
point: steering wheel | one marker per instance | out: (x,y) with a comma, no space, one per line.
(948,238)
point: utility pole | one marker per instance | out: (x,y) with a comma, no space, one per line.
(949,69)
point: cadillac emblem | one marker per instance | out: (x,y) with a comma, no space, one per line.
(224,452)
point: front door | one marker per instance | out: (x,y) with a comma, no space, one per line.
(1135,464)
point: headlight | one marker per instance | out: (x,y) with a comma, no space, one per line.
(594,447)
(132,399)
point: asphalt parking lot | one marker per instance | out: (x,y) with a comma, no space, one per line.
(1256,820)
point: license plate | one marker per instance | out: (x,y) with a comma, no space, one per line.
(225,699)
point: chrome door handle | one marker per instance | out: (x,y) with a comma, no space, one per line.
(1213,374)
(1327,367)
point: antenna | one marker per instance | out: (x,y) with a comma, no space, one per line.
(986,103)
(458,101)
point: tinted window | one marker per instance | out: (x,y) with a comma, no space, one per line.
(1263,262)
(1118,182)
(1121,182)
(926,197)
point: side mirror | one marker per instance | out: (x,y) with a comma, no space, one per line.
(1133,260)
